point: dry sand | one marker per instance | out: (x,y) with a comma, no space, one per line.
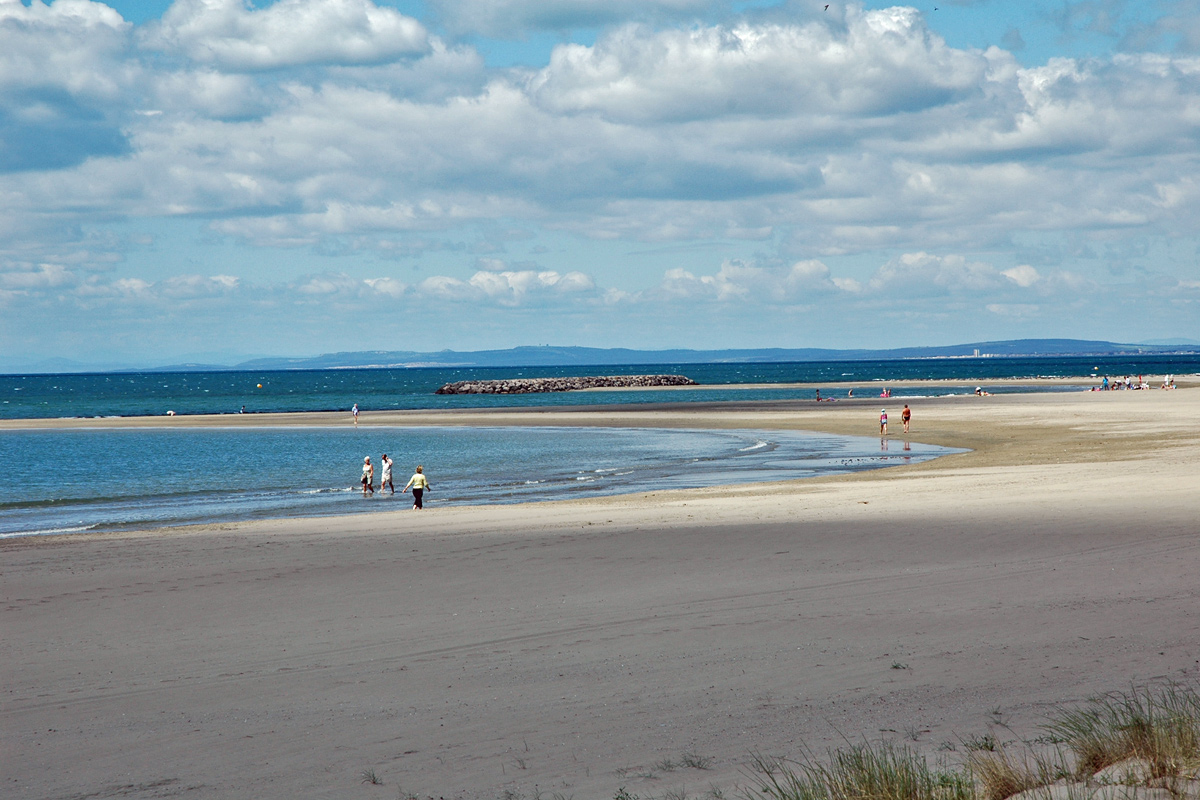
(570,647)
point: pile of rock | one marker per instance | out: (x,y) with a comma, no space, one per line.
(530,385)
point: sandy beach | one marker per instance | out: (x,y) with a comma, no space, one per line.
(575,648)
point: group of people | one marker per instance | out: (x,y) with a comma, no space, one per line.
(1127,382)
(418,482)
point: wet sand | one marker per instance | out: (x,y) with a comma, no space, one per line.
(578,647)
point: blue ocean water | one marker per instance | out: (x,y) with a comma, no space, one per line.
(64,481)
(154,393)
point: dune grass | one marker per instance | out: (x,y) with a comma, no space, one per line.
(1152,733)
(1160,727)
(882,771)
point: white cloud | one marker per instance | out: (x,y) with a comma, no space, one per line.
(922,273)
(509,288)
(43,276)
(881,62)
(232,35)
(73,45)
(737,281)
(1023,275)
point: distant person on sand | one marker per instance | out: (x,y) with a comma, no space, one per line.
(818,395)
(905,416)
(354,411)
(368,477)
(385,474)
(883,422)
(419,484)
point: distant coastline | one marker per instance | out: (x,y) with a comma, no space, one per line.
(551,356)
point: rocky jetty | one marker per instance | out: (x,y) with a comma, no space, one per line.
(531,385)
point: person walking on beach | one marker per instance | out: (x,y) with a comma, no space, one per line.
(368,477)
(905,416)
(385,474)
(883,422)
(354,411)
(419,484)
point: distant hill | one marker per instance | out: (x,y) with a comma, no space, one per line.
(599,357)
(587,356)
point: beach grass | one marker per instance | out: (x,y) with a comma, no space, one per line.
(1160,728)
(867,771)
(1144,737)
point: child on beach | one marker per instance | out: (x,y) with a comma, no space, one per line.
(419,484)
(883,422)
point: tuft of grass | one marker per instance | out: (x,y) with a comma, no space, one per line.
(976,743)
(665,765)
(862,772)
(369,776)
(1158,726)
(675,794)
(695,761)
(622,794)
(898,665)
(998,775)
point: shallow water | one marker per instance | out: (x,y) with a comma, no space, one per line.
(84,480)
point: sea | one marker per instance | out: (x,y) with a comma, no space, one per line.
(62,482)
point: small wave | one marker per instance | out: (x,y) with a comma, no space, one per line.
(330,490)
(760,444)
(47,531)
(531,483)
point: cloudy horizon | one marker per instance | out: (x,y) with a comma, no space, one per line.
(309,176)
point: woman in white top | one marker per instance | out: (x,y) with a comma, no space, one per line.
(368,476)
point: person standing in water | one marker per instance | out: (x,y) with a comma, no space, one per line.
(368,477)
(905,416)
(385,474)
(419,484)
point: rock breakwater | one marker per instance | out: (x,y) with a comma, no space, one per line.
(531,385)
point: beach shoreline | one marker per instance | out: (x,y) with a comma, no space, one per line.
(573,645)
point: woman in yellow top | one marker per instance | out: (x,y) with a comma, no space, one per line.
(419,484)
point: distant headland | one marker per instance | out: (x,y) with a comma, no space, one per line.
(552,356)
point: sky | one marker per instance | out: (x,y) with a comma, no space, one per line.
(211,180)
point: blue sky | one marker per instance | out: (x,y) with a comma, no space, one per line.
(216,179)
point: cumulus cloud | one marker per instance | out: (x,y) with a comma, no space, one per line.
(64,76)
(509,288)
(233,35)
(43,276)
(738,281)
(880,62)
